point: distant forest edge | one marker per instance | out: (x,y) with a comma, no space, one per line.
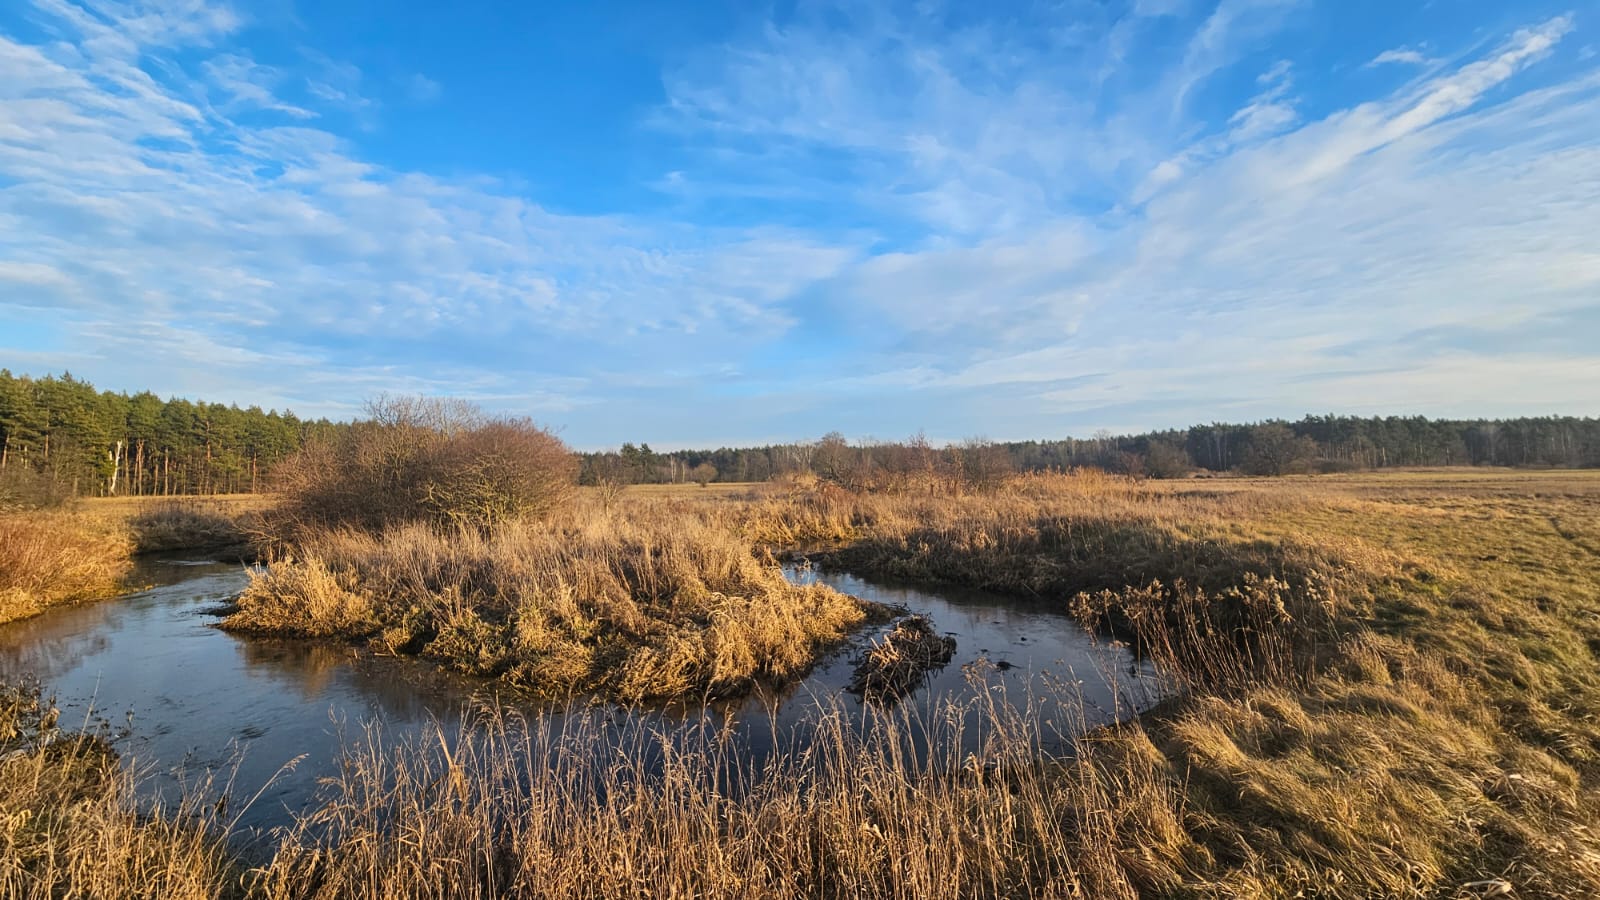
(59,437)
(1313,444)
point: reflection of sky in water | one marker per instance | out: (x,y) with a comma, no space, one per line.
(204,700)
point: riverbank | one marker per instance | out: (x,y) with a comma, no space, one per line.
(51,558)
(85,551)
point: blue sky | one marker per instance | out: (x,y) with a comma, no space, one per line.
(732,223)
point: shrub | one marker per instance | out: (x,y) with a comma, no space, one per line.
(424,460)
(498,471)
(23,487)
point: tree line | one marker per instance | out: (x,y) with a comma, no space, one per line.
(1275,447)
(61,437)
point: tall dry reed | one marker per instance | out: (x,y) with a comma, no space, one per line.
(48,558)
(519,809)
(72,822)
(648,602)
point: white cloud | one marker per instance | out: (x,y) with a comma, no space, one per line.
(122,192)
(35,275)
(965,133)
(1372,125)
(995,288)
(1269,112)
(1029,231)
(1402,55)
(337,84)
(1217,43)
(1415,252)
(250,85)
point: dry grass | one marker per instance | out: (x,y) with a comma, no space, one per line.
(191,524)
(657,601)
(518,811)
(1172,570)
(49,558)
(1424,721)
(735,489)
(124,508)
(1389,683)
(70,826)
(894,665)
(53,557)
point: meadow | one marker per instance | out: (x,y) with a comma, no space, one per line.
(1382,685)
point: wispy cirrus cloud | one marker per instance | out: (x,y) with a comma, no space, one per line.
(1403,55)
(878,219)
(254,243)
(1269,259)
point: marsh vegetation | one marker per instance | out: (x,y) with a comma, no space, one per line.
(85,551)
(1380,685)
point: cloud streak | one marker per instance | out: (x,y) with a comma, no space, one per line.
(922,220)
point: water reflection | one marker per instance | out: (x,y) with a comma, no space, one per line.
(180,695)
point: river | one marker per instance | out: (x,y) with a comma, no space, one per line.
(182,700)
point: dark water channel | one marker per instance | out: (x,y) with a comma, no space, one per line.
(180,698)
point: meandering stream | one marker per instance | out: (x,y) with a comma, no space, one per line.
(181,699)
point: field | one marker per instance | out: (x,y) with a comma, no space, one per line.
(1385,685)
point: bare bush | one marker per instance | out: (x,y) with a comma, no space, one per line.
(497,471)
(424,460)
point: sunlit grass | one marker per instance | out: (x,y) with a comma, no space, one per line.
(648,601)
(1389,686)
(49,558)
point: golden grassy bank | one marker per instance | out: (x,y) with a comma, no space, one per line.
(652,601)
(1209,600)
(1392,680)
(48,558)
(1423,721)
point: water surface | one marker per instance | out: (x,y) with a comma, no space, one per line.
(181,698)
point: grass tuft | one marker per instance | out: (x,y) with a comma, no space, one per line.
(654,603)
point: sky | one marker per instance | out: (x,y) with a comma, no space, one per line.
(733,223)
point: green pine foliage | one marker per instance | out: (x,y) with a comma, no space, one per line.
(60,437)
(1275,447)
